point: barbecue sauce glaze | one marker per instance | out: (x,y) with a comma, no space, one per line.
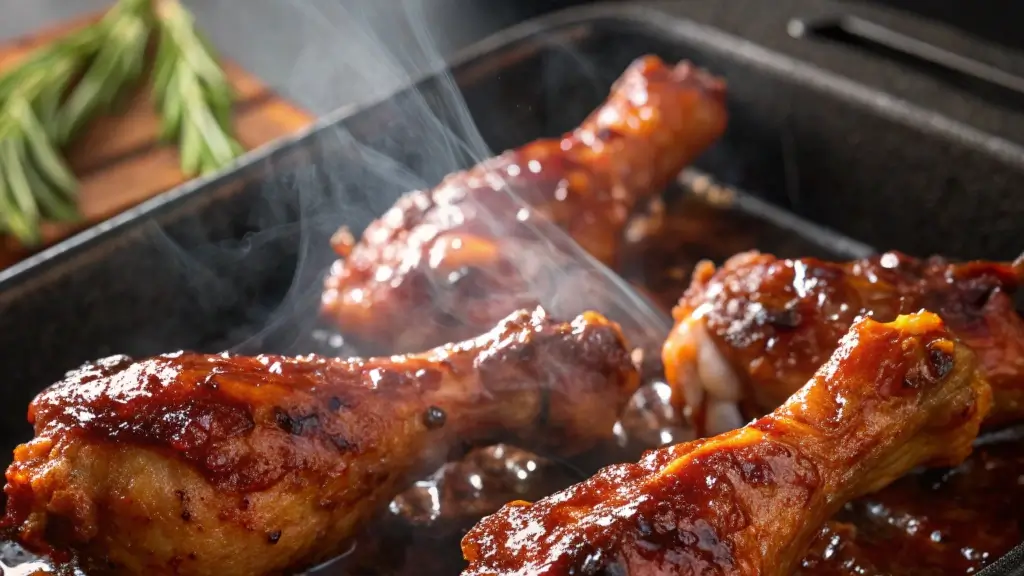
(952,521)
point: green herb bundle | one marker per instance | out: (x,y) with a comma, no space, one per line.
(47,99)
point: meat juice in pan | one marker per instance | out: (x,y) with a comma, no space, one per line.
(953,521)
(956,521)
(947,522)
(682,84)
(935,522)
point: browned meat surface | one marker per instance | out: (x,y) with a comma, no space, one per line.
(748,334)
(447,262)
(934,521)
(220,464)
(892,397)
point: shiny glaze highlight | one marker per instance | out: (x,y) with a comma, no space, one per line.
(775,321)
(222,464)
(446,262)
(892,397)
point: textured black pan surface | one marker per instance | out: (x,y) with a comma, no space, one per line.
(236,261)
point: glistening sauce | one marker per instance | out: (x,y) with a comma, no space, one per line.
(945,521)
(932,522)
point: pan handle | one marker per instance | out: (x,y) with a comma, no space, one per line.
(977,77)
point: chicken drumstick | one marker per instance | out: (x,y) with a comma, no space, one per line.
(446,263)
(749,334)
(892,397)
(222,465)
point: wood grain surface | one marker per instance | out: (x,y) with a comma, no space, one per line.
(119,160)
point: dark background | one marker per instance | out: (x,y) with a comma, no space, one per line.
(999,21)
(327,54)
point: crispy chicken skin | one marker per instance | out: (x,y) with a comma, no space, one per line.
(446,263)
(892,397)
(750,333)
(221,465)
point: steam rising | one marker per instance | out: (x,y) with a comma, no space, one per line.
(349,178)
(357,178)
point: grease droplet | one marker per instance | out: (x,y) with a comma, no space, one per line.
(434,417)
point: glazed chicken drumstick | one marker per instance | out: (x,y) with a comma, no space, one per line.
(223,465)
(892,397)
(749,334)
(446,263)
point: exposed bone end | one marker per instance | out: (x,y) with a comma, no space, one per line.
(716,374)
(722,416)
(679,356)
(706,389)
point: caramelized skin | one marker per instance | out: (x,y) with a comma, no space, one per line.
(774,322)
(220,464)
(448,262)
(892,397)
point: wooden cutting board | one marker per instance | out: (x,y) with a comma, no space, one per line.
(119,160)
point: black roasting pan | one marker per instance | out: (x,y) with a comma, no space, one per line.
(236,261)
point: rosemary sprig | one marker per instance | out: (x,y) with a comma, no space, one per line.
(35,182)
(114,65)
(38,115)
(47,99)
(192,94)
